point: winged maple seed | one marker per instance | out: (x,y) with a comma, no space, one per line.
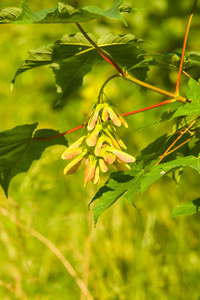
(101,146)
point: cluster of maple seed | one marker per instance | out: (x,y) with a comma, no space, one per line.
(101,146)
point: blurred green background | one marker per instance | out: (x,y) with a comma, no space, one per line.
(132,253)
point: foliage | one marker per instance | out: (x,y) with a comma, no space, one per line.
(63,13)
(139,245)
(19,148)
(72,57)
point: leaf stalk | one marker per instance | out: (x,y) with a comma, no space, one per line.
(168,149)
(154,88)
(106,56)
(124,115)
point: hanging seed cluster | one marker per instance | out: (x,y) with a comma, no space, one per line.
(101,146)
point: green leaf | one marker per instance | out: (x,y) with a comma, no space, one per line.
(125,49)
(18,150)
(187,109)
(193,90)
(135,184)
(193,94)
(166,61)
(63,13)
(9,14)
(113,12)
(127,184)
(118,185)
(194,58)
(158,171)
(72,57)
(185,209)
(154,150)
(27,16)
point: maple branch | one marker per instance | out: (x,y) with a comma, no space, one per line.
(125,115)
(148,107)
(125,75)
(184,46)
(185,142)
(106,56)
(155,89)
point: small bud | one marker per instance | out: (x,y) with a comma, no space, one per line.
(71,153)
(72,167)
(120,142)
(122,119)
(90,170)
(94,117)
(92,121)
(120,116)
(121,155)
(113,142)
(108,157)
(77,143)
(92,138)
(105,114)
(96,179)
(114,117)
(103,165)
(99,144)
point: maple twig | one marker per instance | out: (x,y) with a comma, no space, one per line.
(183,49)
(105,83)
(125,115)
(174,142)
(106,56)
(149,107)
(154,88)
(179,146)
(188,75)
(125,75)
(173,96)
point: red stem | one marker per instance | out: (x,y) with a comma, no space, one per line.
(110,62)
(149,107)
(184,46)
(60,134)
(125,115)
(127,76)
(105,55)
